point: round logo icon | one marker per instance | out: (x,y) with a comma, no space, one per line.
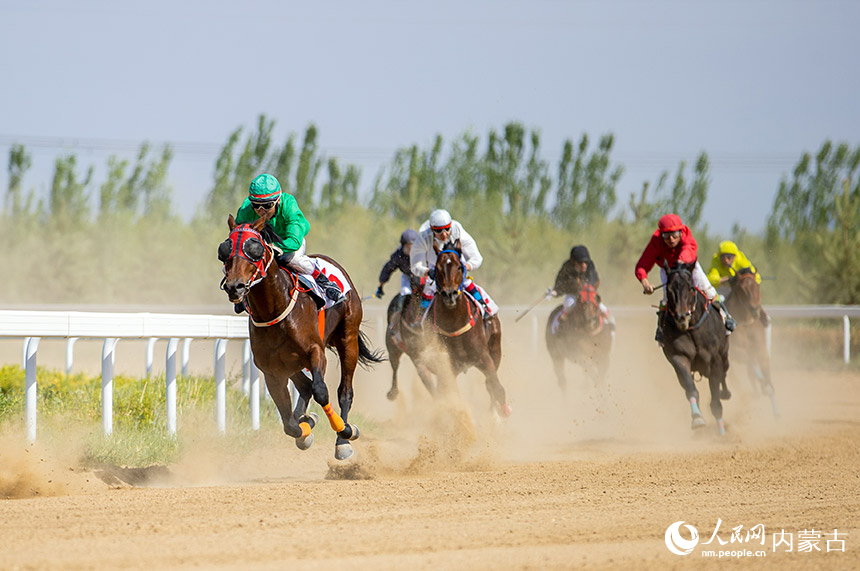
(677,544)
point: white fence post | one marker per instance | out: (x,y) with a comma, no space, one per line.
(150,349)
(107,384)
(255,396)
(246,367)
(221,384)
(846,334)
(170,382)
(186,354)
(70,354)
(30,386)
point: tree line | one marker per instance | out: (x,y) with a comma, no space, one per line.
(525,211)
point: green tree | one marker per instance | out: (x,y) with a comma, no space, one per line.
(415,185)
(806,204)
(19,164)
(839,271)
(586,183)
(308,169)
(68,203)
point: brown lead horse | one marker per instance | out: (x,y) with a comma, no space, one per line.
(457,322)
(582,337)
(288,334)
(749,343)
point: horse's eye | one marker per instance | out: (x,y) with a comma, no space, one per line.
(224,250)
(253,249)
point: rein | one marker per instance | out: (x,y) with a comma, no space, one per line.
(695,305)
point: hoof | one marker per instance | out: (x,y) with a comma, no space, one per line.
(505,410)
(343,451)
(392,394)
(311,418)
(721,427)
(698,422)
(349,432)
(305,442)
(725,394)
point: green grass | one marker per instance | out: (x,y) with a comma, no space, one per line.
(69,405)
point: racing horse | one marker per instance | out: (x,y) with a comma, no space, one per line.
(405,335)
(749,345)
(582,337)
(457,321)
(694,341)
(289,334)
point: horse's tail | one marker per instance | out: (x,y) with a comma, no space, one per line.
(367,357)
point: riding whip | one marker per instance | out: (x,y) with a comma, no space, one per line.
(547,295)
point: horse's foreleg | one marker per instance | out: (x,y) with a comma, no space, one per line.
(425,374)
(280,393)
(303,420)
(320,390)
(682,369)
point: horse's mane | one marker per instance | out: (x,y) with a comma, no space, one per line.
(269,235)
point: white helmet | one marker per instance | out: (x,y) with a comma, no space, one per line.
(440,219)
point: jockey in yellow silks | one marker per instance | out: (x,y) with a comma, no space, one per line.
(727,262)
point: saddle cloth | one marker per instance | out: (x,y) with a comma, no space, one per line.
(333,273)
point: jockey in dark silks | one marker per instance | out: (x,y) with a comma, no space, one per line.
(267,200)
(575,271)
(400,261)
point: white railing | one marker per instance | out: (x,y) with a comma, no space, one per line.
(35,325)
(74,325)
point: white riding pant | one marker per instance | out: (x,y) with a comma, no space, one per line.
(700,280)
(301,263)
(405,285)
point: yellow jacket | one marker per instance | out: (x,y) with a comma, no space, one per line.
(718,270)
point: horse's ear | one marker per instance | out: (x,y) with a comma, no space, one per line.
(259,223)
(457,245)
(436,248)
(231,222)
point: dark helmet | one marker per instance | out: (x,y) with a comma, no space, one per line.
(580,254)
(408,237)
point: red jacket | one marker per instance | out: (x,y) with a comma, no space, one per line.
(657,252)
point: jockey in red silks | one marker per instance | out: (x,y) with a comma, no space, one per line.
(439,230)
(670,244)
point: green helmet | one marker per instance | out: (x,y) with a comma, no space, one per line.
(264,187)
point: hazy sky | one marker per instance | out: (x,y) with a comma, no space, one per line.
(754,83)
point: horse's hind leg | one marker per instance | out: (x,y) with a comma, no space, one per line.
(716,382)
(494,386)
(394,355)
(348,353)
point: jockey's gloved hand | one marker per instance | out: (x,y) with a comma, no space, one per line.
(284,258)
(431,273)
(379,293)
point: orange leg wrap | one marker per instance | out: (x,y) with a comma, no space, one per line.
(334,418)
(306,428)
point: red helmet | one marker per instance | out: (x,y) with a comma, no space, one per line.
(669,223)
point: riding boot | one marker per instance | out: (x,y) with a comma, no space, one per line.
(239,307)
(329,287)
(730,322)
(764,318)
(476,293)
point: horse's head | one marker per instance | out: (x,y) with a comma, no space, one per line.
(746,291)
(681,295)
(246,258)
(450,272)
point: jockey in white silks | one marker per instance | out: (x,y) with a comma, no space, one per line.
(440,229)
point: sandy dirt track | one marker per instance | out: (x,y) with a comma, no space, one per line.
(587,479)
